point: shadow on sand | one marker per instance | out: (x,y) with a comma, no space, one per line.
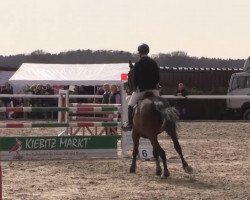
(188,181)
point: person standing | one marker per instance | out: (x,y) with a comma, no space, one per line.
(7,89)
(106,88)
(181,103)
(115,96)
(49,102)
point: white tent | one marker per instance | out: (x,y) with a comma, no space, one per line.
(69,74)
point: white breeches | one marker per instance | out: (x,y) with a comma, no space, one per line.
(136,96)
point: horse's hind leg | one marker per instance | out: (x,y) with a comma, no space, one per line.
(172,133)
(162,154)
(157,161)
(135,138)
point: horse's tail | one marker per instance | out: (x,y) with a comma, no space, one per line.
(169,115)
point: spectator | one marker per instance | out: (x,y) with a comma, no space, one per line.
(36,102)
(48,90)
(49,102)
(105,100)
(7,89)
(181,103)
(29,90)
(39,90)
(115,96)
(106,88)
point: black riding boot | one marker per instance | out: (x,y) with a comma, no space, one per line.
(129,124)
(130,116)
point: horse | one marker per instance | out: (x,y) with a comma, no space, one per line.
(153,115)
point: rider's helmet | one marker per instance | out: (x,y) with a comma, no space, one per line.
(143,49)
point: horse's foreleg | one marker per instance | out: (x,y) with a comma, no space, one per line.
(162,154)
(157,162)
(135,138)
(178,149)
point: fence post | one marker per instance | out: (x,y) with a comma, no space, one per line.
(63,101)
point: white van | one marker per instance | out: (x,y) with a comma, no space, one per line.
(240,85)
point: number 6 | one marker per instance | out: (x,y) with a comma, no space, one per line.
(144,153)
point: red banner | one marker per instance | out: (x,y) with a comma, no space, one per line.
(124,77)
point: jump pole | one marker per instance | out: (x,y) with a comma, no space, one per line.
(80,110)
(83,108)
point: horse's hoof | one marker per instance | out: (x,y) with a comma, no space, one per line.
(158,173)
(165,175)
(132,170)
(188,169)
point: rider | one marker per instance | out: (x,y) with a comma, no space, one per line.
(146,78)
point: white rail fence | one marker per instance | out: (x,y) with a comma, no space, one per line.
(100,96)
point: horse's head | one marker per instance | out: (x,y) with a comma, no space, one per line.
(130,88)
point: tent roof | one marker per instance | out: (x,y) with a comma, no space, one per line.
(69,74)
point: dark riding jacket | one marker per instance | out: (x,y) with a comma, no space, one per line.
(112,98)
(146,74)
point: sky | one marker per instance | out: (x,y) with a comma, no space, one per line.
(210,28)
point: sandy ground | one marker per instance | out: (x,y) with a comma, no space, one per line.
(218,153)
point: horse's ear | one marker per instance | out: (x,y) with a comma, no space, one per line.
(131,64)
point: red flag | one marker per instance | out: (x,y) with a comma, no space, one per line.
(124,77)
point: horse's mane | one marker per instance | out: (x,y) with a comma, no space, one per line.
(131,87)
